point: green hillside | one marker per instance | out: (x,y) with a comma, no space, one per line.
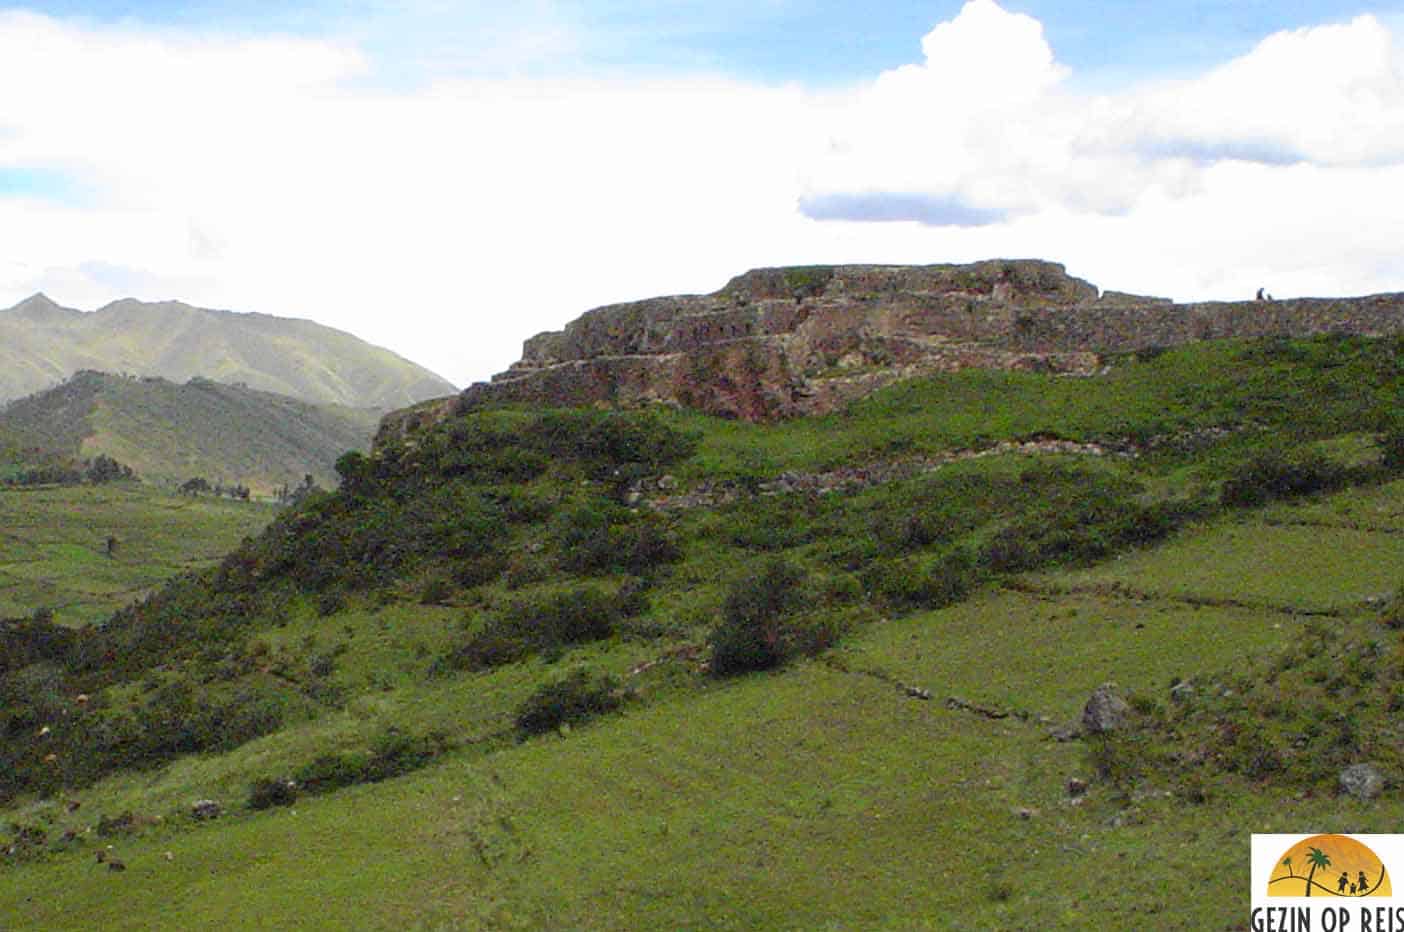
(170,433)
(592,669)
(41,344)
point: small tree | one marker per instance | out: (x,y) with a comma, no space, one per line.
(753,633)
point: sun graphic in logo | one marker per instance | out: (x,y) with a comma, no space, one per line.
(1328,865)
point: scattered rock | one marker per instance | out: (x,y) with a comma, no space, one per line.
(1027,813)
(1363,781)
(1064,733)
(115,865)
(1105,711)
(169,856)
(205,809)
(916,692)
(1076,786)
(1182,691)
(956,703)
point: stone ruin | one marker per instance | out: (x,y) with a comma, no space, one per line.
(783,342)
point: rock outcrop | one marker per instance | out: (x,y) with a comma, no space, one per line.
(781,342)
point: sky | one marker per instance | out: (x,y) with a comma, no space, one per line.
(448,178)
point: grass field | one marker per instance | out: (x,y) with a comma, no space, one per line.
(53,544)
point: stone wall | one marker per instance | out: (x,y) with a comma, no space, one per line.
(783,342)
(1121,328)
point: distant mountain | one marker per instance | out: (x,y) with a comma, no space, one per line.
(42,343)
(170,433)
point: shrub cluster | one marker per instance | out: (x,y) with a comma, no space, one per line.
(1083,533)
(39,718)
(549,624)
(1392,449)
(268,792)
(575,698)
(99,469)
(390,754)
(1273,475)
(601,537)
(912,583)
(762,622)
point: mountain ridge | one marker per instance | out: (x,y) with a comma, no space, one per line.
(43,342)
(170,433)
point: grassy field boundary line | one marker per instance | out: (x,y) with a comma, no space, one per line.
(1333,525)
(952,703)
(1124,593)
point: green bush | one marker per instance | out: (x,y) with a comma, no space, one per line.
(332,771)
(391,754)
(573,699)
(913,583)
(760,628)
(1392,449)
(606,441)
(1273,475)
(267,792)
(529,626)
(602,537)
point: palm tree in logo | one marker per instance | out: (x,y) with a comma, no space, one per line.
(1287,863)
(1317,858)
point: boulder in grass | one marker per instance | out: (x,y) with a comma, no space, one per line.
(206,809)
(1363,781)
(1105,711)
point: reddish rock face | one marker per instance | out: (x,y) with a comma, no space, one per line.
(783,342)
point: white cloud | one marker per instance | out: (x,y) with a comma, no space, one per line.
(451,222)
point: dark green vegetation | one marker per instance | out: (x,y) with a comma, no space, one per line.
(42,344)
(172,434)
(482,585)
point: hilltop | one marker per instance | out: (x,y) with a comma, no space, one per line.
(806,340)
(42,343)
(169,433)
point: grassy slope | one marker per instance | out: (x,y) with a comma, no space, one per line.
(820,796)
(810,798)
(1207,386)
(53,542)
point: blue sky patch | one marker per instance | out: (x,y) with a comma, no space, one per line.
(43,184)
(815,42)
(1208,151)
(891,207)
